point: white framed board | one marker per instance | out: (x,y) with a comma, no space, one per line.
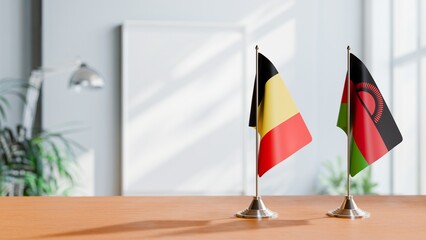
(183,109)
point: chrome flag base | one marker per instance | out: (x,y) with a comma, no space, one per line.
(348,209)
(257,209)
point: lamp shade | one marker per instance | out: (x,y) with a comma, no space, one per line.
(86,77)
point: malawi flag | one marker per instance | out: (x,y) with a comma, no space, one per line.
(281,127)
(374,131)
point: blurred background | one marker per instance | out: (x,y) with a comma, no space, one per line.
(172,116)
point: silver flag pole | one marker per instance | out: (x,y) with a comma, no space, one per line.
(348,209)
(257,208)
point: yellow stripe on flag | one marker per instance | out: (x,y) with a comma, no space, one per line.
(277,105)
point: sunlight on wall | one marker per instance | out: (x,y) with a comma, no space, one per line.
(215,44)
(265,13)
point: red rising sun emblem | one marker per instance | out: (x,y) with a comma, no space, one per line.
(372,99)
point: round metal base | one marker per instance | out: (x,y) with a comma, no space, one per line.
(257,209)
(348,209)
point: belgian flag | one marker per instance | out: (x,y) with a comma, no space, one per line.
(281,127)
(373,129)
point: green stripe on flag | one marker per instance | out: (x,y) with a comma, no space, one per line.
(358,162)
(342,120)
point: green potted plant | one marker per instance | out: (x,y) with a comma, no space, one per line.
(36,165)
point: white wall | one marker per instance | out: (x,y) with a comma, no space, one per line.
(306,40)
(15,47)
(394,55)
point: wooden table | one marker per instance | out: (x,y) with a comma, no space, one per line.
(301,217)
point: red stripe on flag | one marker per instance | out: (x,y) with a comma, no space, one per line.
(282,141)
(345,91)
(366,135)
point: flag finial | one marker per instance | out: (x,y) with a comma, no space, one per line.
(349,48)
(257,47)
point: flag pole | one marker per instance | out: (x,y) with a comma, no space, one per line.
(257,121)
(257,208)
(348,208)
(348,152)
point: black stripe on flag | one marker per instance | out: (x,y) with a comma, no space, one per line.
(386,124)
(266,71)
